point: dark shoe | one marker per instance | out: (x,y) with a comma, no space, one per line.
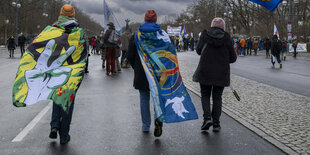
(281,66)
(86,71)
(65,141)
(158,128)
(146,131)
(216,127)
(206,124)
(103,66)
(53,133)
(107,73)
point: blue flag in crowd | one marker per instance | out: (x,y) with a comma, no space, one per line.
(107,14)
(172,102)
(269,4)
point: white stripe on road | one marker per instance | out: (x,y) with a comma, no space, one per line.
(33,123)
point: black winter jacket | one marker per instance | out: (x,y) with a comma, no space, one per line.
(140,81)
(214,64)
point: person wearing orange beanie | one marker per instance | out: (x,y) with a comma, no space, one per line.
(61,119)
(67,10)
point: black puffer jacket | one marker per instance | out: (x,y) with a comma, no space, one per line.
(214,68)
(140,81)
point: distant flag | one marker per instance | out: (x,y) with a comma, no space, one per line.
(269,4)
(275,31)
(121,31)
(184,31)
(107,14)
(180,39)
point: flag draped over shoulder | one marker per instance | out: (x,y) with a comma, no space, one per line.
(53,66)
(269,4)
(172,102)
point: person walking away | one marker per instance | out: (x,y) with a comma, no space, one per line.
(276,48)
(267,46)
(214,70)
(141,82)
(110,48)
(192,42)
(11,45)
(242,46)
(255,46)
(21,44)
(93,44)
(248,46)
(102,48)
(98,45)
(117,55)
(284,50)
(125,42)
(295,44)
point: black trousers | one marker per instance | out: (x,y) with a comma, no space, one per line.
(61,120)
(22,49)
(217,93)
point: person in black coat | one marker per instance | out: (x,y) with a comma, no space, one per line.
(267,46)
(11,45)
(21,44)
(276,48)
(217,52)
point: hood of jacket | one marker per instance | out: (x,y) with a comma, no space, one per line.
(215,36)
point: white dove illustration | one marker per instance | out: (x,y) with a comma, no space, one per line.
(177,106)
(164,36)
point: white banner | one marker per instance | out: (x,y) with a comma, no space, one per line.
(174,31)
(300,48)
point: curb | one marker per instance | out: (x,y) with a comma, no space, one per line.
(251,127)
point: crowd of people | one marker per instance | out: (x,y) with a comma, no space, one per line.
(275,48)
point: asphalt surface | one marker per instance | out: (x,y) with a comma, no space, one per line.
(293,77)
(106,120)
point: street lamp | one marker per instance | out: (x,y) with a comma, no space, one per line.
(17,5)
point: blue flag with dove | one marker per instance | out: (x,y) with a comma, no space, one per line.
(172,102)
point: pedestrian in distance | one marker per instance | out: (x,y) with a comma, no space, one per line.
(267,46)
(217,52)
(11,45)
(125,42)
(255,46)
(21,44)
(284,50)
(249,46)
(295,44)
(141,82)
(242,46)
(111,41)
(97,45)
(276,49)
(93,45)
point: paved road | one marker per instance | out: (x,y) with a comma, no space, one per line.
(294,76)
(106,120)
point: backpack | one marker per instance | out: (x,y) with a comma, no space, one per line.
(114,37)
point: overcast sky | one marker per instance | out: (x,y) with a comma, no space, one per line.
(132,9)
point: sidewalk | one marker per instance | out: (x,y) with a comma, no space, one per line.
(281,117)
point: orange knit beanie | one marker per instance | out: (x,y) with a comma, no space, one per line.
(67,10)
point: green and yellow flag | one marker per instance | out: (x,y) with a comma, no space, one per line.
(52,67)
